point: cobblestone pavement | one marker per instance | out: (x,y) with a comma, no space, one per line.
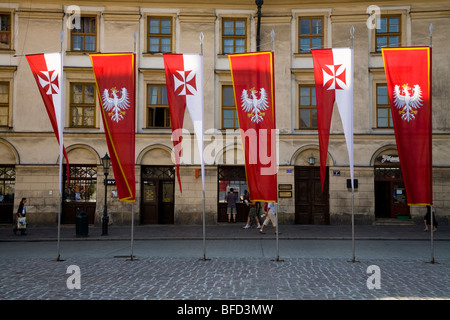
(313,267)
(223,279)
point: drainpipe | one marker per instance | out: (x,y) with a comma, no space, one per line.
(259,3)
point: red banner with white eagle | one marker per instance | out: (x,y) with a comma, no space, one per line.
(115,76)
(47,72)
(408,75)
(184,81)
(254,92)
(333,74)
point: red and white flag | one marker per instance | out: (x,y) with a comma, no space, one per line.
(408,75)
(115,75)
(254,92)
(333,73)
(47,71)
(184,83)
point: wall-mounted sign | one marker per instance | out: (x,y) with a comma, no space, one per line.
(285,187)
(284,194)
(388,158)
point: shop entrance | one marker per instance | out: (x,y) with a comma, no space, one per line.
(232,177)
(390,194)
(157,200)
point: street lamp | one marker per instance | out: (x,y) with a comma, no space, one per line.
(106,160)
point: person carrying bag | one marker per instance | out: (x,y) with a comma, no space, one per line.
(21,223)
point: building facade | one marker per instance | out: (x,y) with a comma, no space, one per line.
(29,152)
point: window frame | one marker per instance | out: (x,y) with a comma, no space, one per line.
(148,106)
(223,108)
(234,37)
(6,105)
(84,35)
(8,32)
(379,106)
(82,105)
(309,107)
(310,35)
(160,35)
(388,34)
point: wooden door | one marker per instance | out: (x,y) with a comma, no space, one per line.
(149,202)
(157,200)
(311,204)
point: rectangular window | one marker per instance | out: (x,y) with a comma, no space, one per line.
(4,104)
(158,114)
(5,31)
(82,105)
(85,38)
(159,34)
(389,33)
(384,115)
(311,34)
(234,35)
(307,107)
(229,113)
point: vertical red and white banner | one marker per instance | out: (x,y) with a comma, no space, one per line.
(254,92)
(408,75)
(184,82)
(115,76)
(47,72)
(333,73)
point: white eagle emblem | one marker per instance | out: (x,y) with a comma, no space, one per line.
(406,102)
(254,105)
(115,105)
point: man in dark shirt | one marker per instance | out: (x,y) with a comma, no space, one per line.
(231,199)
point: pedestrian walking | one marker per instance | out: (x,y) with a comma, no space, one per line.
(427,220)
(270,217)
(252,214)
(21,223)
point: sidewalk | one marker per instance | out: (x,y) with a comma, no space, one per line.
(232,231)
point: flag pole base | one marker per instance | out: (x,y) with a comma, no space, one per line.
(278,260)
(204,259)
(58,259)
(432,262)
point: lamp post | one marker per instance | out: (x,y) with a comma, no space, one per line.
(259,4)
(106,160)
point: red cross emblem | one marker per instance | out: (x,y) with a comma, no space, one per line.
(335,78)
(49,82)
(185,83)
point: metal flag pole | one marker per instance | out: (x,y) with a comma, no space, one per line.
(132,231)
(132,205)
(431,207)
(203,189)
(61,145)
(272,36)
(352,33)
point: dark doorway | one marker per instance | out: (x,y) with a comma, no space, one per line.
(311,204)
(157,201)
(7,183)
(390,193)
